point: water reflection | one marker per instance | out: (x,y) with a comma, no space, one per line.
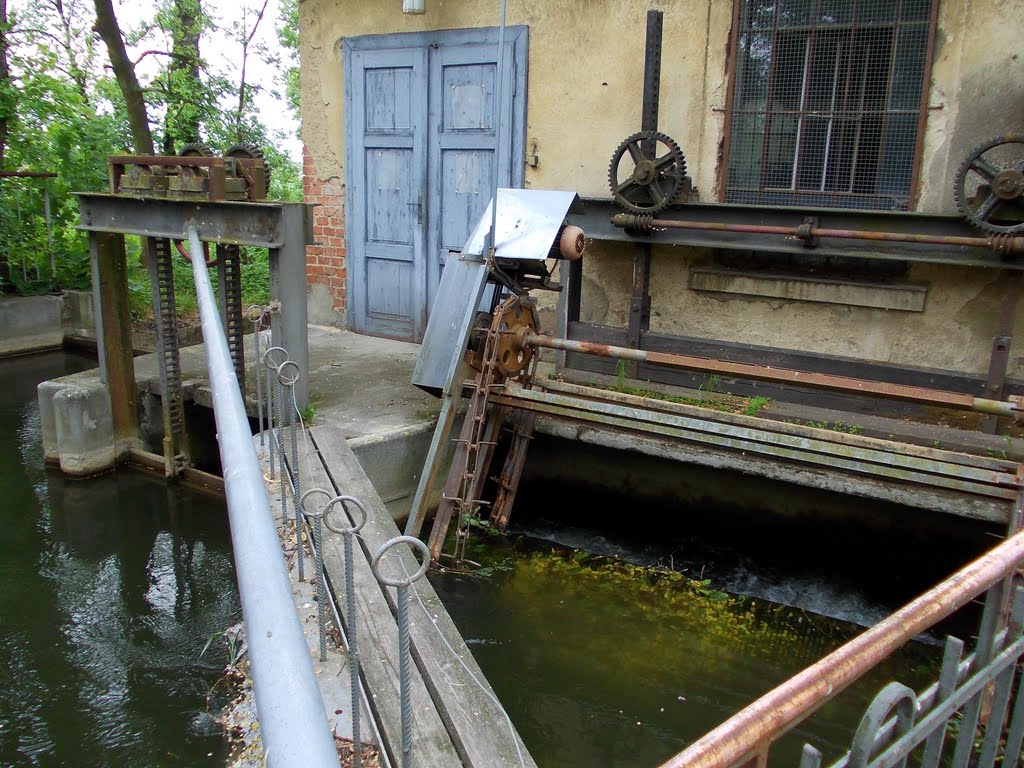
(109,590)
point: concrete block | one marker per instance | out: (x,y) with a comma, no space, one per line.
(85,433)
(45,393)
(905,297)
(30,323)
(393,461)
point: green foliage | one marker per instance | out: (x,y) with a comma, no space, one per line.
(836,426)
(66,115)
(307,414)
(755,405)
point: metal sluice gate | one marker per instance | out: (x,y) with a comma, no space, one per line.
(483,341)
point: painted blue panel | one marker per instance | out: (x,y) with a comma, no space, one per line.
(389,216)
(389,290)
(468,97)
(420,134)
(465,191)
(388,93)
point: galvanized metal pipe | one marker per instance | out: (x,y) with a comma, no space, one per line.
(293,724)
(807,232)
(754,729)
(844,384)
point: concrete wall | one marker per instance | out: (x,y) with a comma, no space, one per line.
(585,83)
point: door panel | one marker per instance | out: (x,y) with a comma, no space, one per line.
(421,132)
(462,144)
(385,182)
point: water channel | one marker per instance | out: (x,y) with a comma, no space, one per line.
(112,586)
(109,590)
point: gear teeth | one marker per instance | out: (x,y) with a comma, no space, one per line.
(675,173)
(195,149)
(960,187)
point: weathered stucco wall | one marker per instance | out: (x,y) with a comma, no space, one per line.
(585,83)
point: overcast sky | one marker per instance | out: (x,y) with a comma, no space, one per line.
(226,55)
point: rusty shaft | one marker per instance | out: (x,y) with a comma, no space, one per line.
(807,232)
(844,384)
(752,730)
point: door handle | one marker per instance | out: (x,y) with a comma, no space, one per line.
(419,211)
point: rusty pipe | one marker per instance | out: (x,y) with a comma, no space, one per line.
(845,384)
(754,728)
(807,232)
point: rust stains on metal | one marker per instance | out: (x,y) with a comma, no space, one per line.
(752,730)
(844,384)
(808,232)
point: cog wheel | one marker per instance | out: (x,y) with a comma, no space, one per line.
(251,152)
(989,185)
(646,172)
(195,149)
(511,319)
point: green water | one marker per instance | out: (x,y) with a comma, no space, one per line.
(605,665)
(109,589)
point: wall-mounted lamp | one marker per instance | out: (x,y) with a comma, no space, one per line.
(414,6)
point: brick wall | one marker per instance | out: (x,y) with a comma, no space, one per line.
(325,263)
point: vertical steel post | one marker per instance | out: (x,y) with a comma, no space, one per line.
(256,316)
(288,292)
(110,298)
(293,723)
(640,302)
(402,585)
(349,527)
(291,473)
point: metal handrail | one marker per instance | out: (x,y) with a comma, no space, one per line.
(293,723)
(750,732)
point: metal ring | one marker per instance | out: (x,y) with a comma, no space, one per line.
(414,543)
(343,500)
(267,361)
(285,381)
(260,311)
(302,501)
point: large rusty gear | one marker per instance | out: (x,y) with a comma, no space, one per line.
(512,319)
(251,152)
(651,178)
(989,185)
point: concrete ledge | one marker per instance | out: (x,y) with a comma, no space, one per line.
(30,323)
(84,429)
(393,461)
(904,297)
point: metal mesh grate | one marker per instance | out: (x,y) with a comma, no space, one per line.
(827,102)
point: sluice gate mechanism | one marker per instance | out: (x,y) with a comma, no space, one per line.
(483,343)
(158,199)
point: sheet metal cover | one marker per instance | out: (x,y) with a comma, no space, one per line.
(462,285)
(528,223)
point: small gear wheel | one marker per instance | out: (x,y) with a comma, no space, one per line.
(513,318)
(195,149)
(989,185)
(251,152)
(646,172)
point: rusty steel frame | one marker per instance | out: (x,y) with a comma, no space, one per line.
(596,215)
(936,470)
(747,736)
(844,384)
(253,171)
(809,231)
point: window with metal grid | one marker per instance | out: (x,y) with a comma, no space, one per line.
(827,102)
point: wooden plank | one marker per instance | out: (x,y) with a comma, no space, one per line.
(477,724)
(1005,466)
(378,650)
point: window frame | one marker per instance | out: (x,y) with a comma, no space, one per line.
(733,66)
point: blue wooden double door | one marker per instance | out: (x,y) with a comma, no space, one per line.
(422,125)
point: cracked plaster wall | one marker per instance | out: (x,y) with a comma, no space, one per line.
(585,81)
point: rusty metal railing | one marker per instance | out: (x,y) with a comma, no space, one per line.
(746,738)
